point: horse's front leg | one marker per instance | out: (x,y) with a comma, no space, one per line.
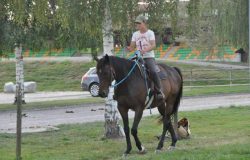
(137,118)
(124,113)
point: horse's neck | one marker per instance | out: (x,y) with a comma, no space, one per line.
(130,87)
(122,68)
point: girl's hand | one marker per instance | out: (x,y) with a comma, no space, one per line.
(129,48)
(142,51)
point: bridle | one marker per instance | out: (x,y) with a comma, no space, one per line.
(113,74)
(126,77)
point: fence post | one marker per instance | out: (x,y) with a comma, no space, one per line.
(19,98)
(191,79)
(19,122)
(248,71)
(230,77)
(19,71)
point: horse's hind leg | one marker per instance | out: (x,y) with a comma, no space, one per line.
(173,135)
(137,118)
(166,122)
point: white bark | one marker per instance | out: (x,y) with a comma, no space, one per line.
(19,71)
(108,41)
(112,128)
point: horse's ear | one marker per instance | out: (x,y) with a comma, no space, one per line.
(106,57)
(96,58)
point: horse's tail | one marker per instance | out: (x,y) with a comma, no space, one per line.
(180,93)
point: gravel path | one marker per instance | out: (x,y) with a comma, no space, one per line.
(46,119)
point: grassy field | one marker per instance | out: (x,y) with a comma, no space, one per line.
(50,76)
(53,76)
(218,134)
(66,76)
(62,76)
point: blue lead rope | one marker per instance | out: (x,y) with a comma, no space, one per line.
(138,54)
(129,73)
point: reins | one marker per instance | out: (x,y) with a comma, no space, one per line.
(138,54)
(138,57)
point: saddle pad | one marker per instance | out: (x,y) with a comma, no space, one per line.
(162,75)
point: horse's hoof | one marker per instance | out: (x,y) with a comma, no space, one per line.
(157,151)
(171,148)
(124,156)
(126,153)
(143,150)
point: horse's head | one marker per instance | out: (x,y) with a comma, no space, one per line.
(104,72)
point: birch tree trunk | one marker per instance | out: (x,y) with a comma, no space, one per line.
(112,128)
(108,41)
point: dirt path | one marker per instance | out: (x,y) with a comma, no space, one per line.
(42,120)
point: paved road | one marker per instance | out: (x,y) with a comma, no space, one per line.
(42,120)
(51,59)
(44,96)
(88,58)
(214,64)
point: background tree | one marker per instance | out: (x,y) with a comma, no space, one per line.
(213,24)
(78,24)
(74,24)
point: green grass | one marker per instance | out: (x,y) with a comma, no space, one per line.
(52,104)
(215,76)
(230,63)
(66,76)
(50,76)
(218,134)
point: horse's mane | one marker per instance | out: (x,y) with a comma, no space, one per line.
(117,61)
(122,66)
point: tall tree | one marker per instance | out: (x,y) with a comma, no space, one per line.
(76,24)
(213,23)
(107,31)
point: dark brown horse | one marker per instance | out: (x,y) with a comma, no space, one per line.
(132,92)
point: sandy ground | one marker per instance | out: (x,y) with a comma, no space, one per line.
(47,119)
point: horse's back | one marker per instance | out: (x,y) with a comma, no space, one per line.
(173,73)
